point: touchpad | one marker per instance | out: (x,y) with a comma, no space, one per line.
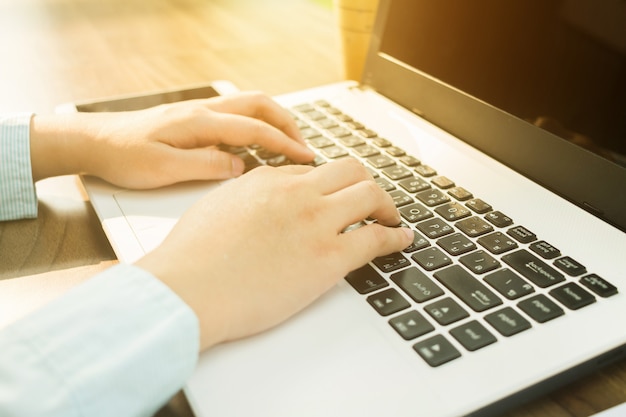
(151,214)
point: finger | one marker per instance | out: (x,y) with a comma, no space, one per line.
(362,200)
(259,106)
(296,169)
(240,130)
(201,164)
(374,240)
(337,175)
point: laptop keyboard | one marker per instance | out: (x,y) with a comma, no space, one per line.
(467,256)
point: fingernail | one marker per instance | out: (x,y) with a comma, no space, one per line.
(408,232)
(237,166)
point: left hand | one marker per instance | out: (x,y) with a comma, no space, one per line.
(165,144)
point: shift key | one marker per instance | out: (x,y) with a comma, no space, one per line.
(533,268)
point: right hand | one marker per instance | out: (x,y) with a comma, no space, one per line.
(262,247)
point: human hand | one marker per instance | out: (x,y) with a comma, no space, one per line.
(262,247)
(164,144)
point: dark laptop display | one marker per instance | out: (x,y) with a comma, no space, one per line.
(556,65)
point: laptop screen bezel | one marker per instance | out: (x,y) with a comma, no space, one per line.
(582,177)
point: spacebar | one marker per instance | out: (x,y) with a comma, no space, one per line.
(467,288)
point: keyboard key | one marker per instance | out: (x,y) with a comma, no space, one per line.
(415,213)
(521,234)
(395,151)
(469,289)
(540,308)
(320,142)
(400,198)
(425,171)
(436,350)
(432,197)
(416,284)
(498,219)
(478,205)
(381,142)
(385,185)
(545,250)
(460,193)
(508,321)
(497,242)
(419,242)
(334,152)
(351,141)
(339,131)
(443,182)
(366,279)
(365,151)
(397,172)
(509,284)
(435,228)
(431,259)
(391,262)
(473,335)
(598,285)
(446,311)
(380,161)
(570,266)
(474,226)
(479,262)
(409,160)
(388,301)
(452,211)
(411,325)
(456,244)
(414,185)
(533,268)
(573,296)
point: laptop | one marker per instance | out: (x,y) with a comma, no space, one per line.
(499,129)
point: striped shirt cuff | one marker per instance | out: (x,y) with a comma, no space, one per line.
(17,189)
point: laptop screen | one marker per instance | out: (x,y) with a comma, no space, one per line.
(513,78)
(559,65)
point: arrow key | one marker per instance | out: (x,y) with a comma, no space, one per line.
(411,325)
(436,350)
(388,302)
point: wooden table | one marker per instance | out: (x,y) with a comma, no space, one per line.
(56,51)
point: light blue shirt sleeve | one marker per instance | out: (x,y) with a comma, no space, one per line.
(120,344)
(17,190)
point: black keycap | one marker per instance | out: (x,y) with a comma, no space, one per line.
(446,311)
(409,160)
(478,205)
(419,242)
(435,228)
(432,197)
(320,142)
(411,325)
(415,213)
(414,185)
(545,250)
(431,259)
(460,193)
(573,296)
(521,234)
(497,242)
(473,335)
(380,142)
(351,141)
(470,290)
(397,172)
(479,262)
(366,279)
(456,244)
(388,301)
(498,219)
(533,268)
(570,266)
(443,182)
(509,284)
(380,161)
(395,151)
(436,350)
(365,151)
(474,226)
(540,308)
(416,284)
(452,211)
(507,321)
(400,198)
(391,262)
(599,285)
(385,185)
(334,152)
(425,171)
